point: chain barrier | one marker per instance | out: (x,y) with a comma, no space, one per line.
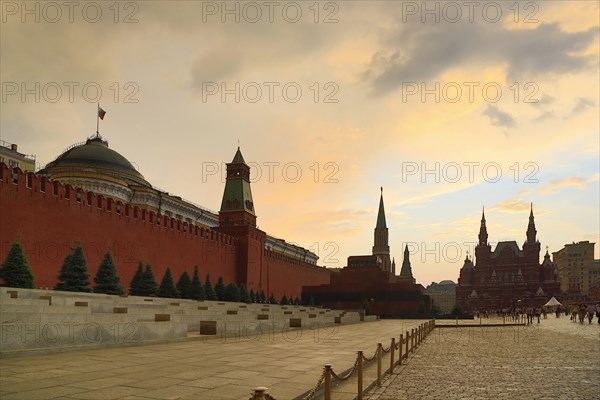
(348,374)
(412,340)
(314,390)
(369,359)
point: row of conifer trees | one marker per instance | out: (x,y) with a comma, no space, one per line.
(74,277)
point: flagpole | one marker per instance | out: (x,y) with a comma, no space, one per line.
(98,120)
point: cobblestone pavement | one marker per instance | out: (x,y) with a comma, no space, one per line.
(197,369)
(556,359)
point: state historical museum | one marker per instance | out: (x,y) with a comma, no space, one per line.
(508,276)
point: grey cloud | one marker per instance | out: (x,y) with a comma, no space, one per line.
(214,66)
(545,116)
(428,50)
(544,101)
(499,118)
(582,104)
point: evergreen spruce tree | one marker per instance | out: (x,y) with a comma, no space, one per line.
(284,301)
(208,289)
(297,301)
(220,289)
(107,281)
(366,307)
(167,286)
(73,274)
(196,288)
(263,298)
(135,281)
(457,310)
(15,270)
(244,297)
(232,293)
(184,285)
(272,299)
(435,310)
(147,285)
(252,296)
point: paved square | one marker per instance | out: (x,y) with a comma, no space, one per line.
(197,369)
(556,359)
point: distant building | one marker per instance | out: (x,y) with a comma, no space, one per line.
(371,281)
(508,276)
(577,269)
(11,157)
(443,295)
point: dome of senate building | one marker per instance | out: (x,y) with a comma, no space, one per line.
(94,157)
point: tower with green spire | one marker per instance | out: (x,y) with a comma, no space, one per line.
(380,246)
(237,206)
(237,218)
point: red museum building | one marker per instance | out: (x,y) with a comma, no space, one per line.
(508,276)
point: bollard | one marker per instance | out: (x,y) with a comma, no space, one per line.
(379,351)
(327,382)
(407,340)
(392,348)
(259,393)
(359,368)
(400,352)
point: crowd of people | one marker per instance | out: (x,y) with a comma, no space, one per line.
(584,311)
(579,312)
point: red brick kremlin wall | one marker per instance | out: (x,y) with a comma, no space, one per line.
(49,218)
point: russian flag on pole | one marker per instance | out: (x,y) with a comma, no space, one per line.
(101,113)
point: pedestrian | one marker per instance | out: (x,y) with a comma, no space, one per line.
(582,312)
(598,312)
(529,315)
(538,312)
(590,313)
(574,312)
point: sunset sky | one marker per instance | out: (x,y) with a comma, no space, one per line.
(348,96)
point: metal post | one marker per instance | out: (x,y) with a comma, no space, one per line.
(259,393)
(392,348)
(327,383)
(379,348)
(360,375)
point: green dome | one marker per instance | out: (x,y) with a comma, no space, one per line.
(95,156)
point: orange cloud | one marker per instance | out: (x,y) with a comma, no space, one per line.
(512,206)
(553,186)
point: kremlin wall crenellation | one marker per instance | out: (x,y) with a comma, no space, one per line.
(48,217)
